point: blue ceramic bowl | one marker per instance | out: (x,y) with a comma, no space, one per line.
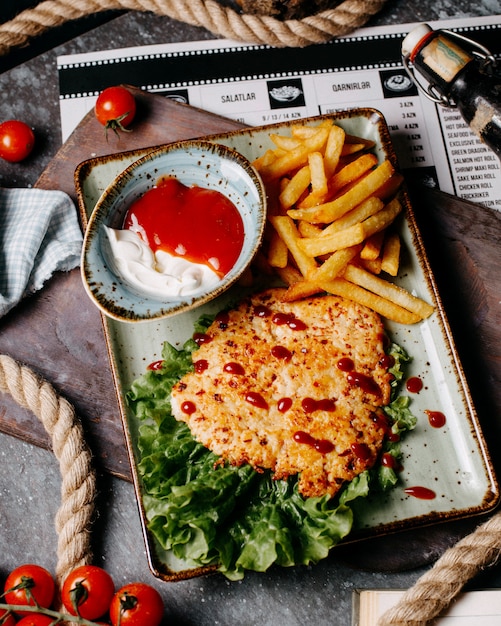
(198,162)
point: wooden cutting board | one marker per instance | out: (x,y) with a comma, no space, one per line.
(58,331)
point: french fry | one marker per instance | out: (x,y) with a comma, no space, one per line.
(364,210)
(265,159)
(317,172)
(285,142)
(390,259)
(355,139)
(333,149)
(390,187)
(295,158)
(387,290)
(284,164)
(295,187)
(334,265)
(344,177)
(351,148)
(289,274)
(278,253)
(386,308)
(379,221)
(287,230)
(330,211)
(301,289)
(330,208)
(372,247)
(301,131)
(317,246)
(306,229)
(371,265)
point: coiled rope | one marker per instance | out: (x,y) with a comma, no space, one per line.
(209,14)
(78,487)
(419,606)
(435,590)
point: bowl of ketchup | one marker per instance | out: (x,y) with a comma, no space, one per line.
(175,230)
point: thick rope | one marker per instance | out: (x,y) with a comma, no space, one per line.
(209,14)
(78,487)
(437,589)
(419,606)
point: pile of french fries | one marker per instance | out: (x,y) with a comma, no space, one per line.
(332,209)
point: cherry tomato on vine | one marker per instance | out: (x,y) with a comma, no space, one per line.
(16,140)
(29,584)
(36,619)
(136,604)
(7,621)
(87,591)
(115,108)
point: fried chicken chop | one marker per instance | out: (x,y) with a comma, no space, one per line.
(291,387)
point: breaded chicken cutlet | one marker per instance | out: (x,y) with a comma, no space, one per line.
(295,388)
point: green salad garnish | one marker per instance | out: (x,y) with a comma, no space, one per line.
(206,512)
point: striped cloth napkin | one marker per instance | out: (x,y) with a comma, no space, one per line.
(39,235)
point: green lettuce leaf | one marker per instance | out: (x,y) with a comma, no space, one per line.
(207,512)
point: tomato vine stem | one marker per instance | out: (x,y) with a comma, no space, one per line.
(60,617)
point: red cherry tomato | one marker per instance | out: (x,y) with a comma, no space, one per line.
(136,604)
(87,591)
(115,108)
(16,140)
(36,619)
(8,621)
(29,585)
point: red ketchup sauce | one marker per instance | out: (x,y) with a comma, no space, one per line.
(256,400)
(436,419)
(155,366)
(200,225)
(422,493)
(321,445)
(414,384)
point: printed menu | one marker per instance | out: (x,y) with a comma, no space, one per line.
(258,85)
(472,608)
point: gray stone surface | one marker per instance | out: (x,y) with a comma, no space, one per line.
(29,476)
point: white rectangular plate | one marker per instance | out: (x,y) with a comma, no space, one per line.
(452,461)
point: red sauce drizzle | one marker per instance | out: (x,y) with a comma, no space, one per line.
(382,421)
(320,445)
(414,384)
(310,405)
(387,361)
(188,407)
(156,365)
(201,225)
(423,493)
(222,319)
(345,364)
(200,366)
(279,352)
(262,311)
(388,460)
(288,319)
(234,368)
(201,338)
(367,384)
(284,404)
(361,451)
(256,400)
(436,419)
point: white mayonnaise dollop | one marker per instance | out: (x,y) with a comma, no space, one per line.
(156,274)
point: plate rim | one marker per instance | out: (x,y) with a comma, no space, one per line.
(491,495)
